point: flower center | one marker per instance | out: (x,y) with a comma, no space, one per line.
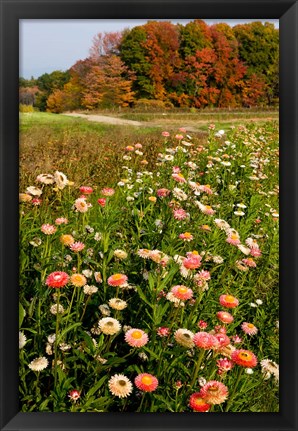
(137,334)
(229,298)
(147,380)
(117,276)
(245,355)
(199,401)
(186,335)
(122,382)
(182,290)
(212,389)
(250,325)
(109,323)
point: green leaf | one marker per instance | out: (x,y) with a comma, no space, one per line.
(65,331)
(22,314)
(143,297)
(96,387)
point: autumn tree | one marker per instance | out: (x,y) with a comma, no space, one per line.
(259,50)
(106,43)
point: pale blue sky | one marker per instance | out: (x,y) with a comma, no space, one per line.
(48,45)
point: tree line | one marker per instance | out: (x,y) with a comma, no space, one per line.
(191,66)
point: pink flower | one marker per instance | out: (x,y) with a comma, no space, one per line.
(182,129)
(86,190)
(197,403)
(61,220)
(180,214)
(36,201)
(255,252)
(163,331)
(186,236)
(233,239)
(223,340)
(161,193)
(77,246)
(224,364)
(165,134)
(249,262)
(117,280)
(203,275)
(249,328)
(192,261)
(138,146)
(236,339)
(107,191)
(48,229)
(182,292)
(74,395)
(224,317)
(176,170)
(81,205)
(202,324)
(129,148)
(179,137)
(220,329)
(214,392)
(101,202)
(136,337)
(57,279)
(146,382)
(179,178)
(204,340)
(228,301)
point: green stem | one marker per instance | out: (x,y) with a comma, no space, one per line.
(56,339)
(142,402)
(71,302)
(197,369)
(86,303)
(239,374)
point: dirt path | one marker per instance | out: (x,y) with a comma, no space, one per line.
(107,120)
(192,126)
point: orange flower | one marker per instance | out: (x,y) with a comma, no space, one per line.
(244,358)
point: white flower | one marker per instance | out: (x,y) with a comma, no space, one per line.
(239,213)
(22,340)
(52,338)
(60,179)
(38,364)
(252,304)
(34,191)
(87,273)
(249,371)
(90,290)
(259,301)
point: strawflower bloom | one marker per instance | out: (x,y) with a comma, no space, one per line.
(86,190)
(224,364)
(78,280)
(163,331)
(117,280)
(22,340)
(186,236)
(109,326)
(57,279)
(192,261)
(102,202)
(222,339)
(74,395)
(249,328)
(136,337)
(214,392)
(202,324)
(120,386)
(67,239)
(25,197)
(228,301)
(77,246)
(165,134)
(57,310)
(146,382)
(120,254)
(204,340)
(249,262)
(60,180)
(48,229)
(270,367)
(184,337)
(180,214)
(38,364)
(117,304)
(81,205)
(233,239)
(197,403)
(224,317)
(107,191)
(61,220)
(90,290)
(182,292)
(161,193)
(244,358)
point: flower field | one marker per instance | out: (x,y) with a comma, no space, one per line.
(159,291)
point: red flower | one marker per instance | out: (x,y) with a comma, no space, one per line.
(197,403)
(101,202)
(57,279)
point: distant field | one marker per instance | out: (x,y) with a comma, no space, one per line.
(60,142)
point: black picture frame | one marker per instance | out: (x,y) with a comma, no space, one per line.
(14,10)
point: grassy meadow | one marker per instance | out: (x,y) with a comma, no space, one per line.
(149,263)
